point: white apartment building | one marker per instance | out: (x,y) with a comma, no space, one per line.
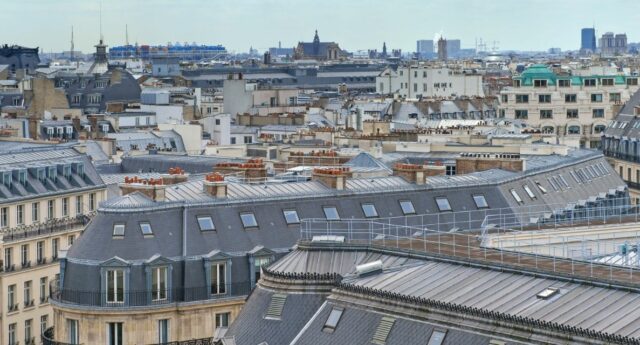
(578,106)
(427,81)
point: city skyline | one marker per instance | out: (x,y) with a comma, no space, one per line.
(261,24)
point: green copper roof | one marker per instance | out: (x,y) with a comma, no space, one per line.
(542,72)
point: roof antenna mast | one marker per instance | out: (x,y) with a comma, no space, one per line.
(101,37)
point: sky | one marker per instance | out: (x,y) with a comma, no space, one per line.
(354,24)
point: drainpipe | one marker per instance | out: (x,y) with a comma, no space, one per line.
(184,247)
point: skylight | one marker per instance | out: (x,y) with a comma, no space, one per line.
(542,189)
(575,177)
(146,228)
(443,204)
(407,207)
(333,319)
(480,201)
(206,223)
(331,213)
(529,191)
(553,184)
(548,293)
(291,216)
(369,210)
(516,196)
(437,337)
(248,220)
(118,230)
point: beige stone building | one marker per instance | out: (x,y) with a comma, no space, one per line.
(566,105)
(47,196)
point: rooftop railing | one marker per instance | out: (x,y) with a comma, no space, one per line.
(146,298)
(461,236)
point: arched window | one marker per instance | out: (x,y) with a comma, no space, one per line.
(599,128)
(547,129)
(573,130)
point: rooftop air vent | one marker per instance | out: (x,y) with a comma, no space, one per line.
(276,306)
(383,330)
(548,293)
(369,268)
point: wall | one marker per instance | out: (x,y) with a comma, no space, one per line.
(191,136)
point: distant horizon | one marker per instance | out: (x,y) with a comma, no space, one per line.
(357,25)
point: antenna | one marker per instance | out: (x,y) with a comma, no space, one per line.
(101,37)
(126,30)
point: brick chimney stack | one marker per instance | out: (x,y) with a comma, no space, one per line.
(335,178)
(410,172)
(215,185)
(174,175)
(153,188)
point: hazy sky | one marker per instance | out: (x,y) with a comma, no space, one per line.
(354,24)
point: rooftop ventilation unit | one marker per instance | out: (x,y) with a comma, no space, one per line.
(383,330)
(276,306)
(548,293)
(369,268)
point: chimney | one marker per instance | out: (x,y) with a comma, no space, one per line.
(482,162)
(636,110)
(253,170)
(410,172)
(335,178)
(76,124)
(175,175)
(215,185)
(153,188)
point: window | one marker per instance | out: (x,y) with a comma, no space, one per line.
(43,323)
(529,192)
(516,196)
(27,332)
(563,181)
(573,130)
(589,82)
(159,278)
(70,239)
(35,214)
(548,293)
(8,259)
(92,202)
(632,81)
(206,223)
(291,216)
(505,98)
(163,331)
(43,289)
(218,279)
(607,82)
(222,320)
(12,334)
(443,204)
(75,99)
(145,227)
(115,333)
(547,129)
(516,83)
(575,177)
(522,114)
(40,251)
(615,97)
(65,207)
(258,262)
(369,210)
(570,98)
(118,230)
(51,212)
(480,201)
(407,207)
(553,184)
(4,217)
(437,337)
(596,97)
(94,98)
(115,286)
(28,301)
(572,113)
(20,214)
(564,83)
(54,248)
(539,83)
(546,114)
(79,205)
(522,98)
(544,98)
(248,139)
(333,320)
(24,257)
(248,220)
(72,331)
(598,113)
(331,213)
(11,297)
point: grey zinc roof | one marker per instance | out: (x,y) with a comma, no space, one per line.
(161,140)
(366,160)
(161,163)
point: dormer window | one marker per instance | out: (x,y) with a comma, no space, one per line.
(540,83)
(115,286)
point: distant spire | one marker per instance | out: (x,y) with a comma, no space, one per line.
(316,38)
(72,48)
(126,30)
(101,37)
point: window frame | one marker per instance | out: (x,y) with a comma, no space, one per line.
(529,192)
(483,198)
(220,279)
(291,211)
(158,292)
(202,218)
(516,196)
(335,209)
(143,225)
(372,207)
(115,294)
(333,320)
(117,226)
(447,207)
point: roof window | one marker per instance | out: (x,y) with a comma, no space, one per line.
(331,213)
(407,207)
(333,320)
(548,293)
(529,192)
(206,223)
(248,220)
(369,210)
(276,306)
(443,204)
(145,227)
(437,337)
(118,230)
(516,196)
(382,331)
(291,216)
(480,201)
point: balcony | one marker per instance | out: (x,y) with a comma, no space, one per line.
(48,338)
(145,298)
(48,227)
